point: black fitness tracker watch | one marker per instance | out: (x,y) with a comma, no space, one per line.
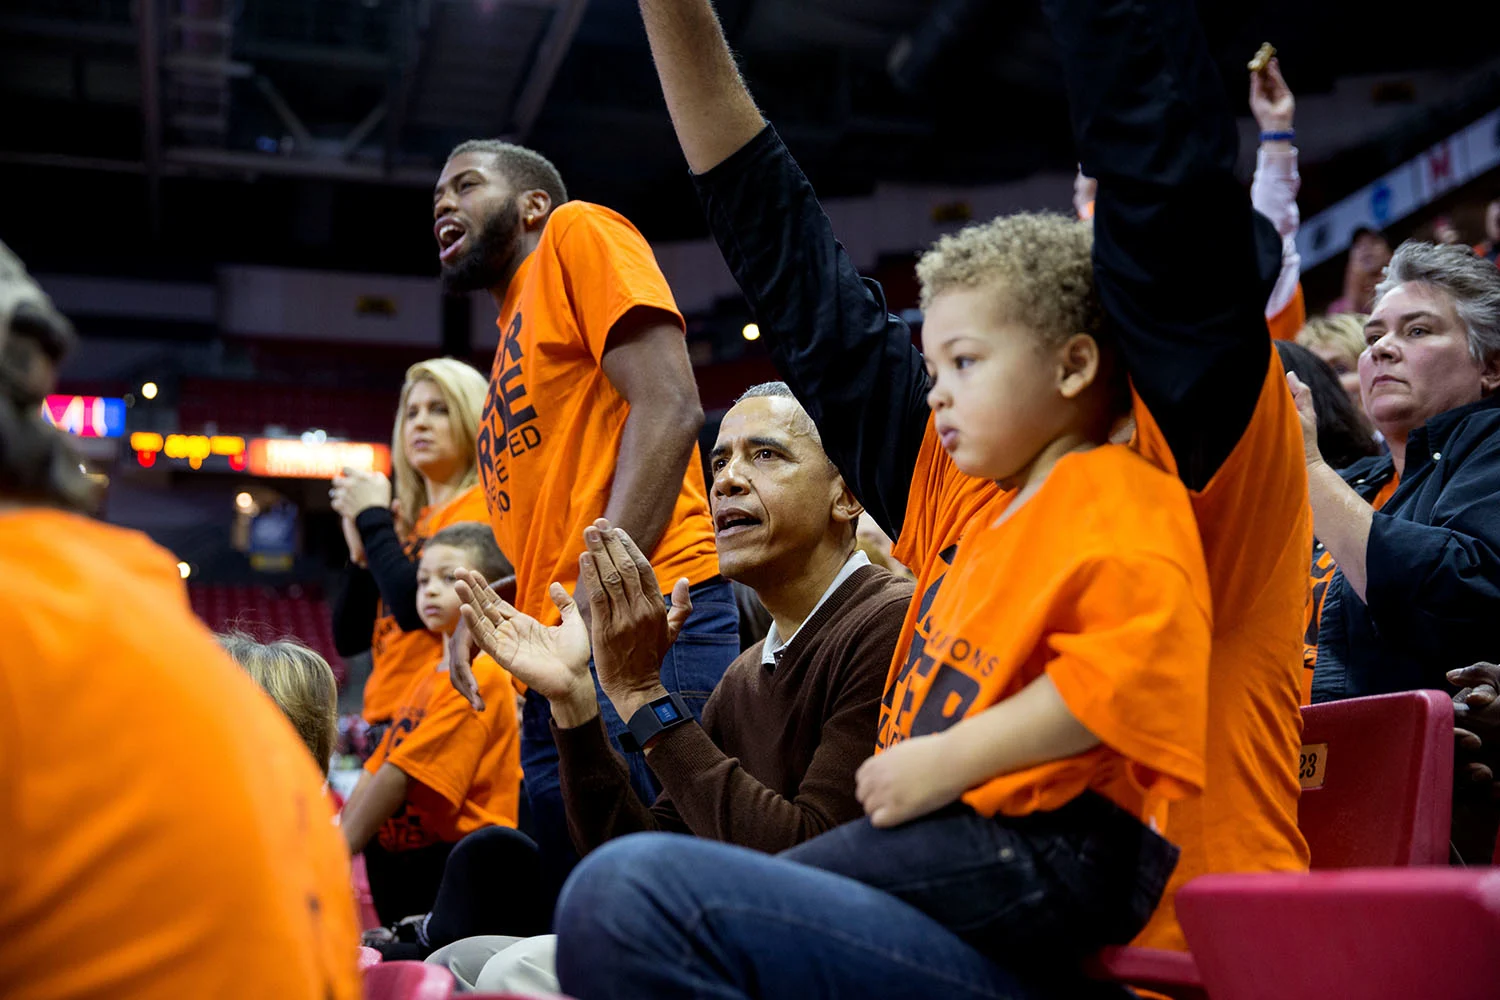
(652,719)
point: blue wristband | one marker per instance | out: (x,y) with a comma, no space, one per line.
(1286,136)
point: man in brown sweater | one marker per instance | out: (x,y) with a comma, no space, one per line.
(773,762)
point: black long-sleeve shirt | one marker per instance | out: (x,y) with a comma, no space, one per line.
(1432,564)
(849,361)
(391,578)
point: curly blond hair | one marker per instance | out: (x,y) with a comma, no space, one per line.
(1039,262)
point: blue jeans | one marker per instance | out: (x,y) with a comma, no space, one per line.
(666,916)
(709,642)
(1037,893)
(845,913)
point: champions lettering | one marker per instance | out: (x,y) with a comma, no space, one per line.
(890,730)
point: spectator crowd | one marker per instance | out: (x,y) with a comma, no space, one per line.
(965,659)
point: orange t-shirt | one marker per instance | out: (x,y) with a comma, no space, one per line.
(1246,818)
(1290,319)
(165,830)
(396,657)
(465,765)
(1256,524)
(1098,582)
(553,421)
(1320,575)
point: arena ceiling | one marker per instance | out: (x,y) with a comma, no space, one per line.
(166,135)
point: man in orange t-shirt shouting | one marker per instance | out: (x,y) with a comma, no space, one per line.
(592,412)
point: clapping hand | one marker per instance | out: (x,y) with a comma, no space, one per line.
(355,492)
(553,661)
(631,626)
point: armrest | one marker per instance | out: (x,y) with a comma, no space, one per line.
(1173,973)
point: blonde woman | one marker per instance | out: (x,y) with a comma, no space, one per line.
(299,681)
(433,454)
(1339,340)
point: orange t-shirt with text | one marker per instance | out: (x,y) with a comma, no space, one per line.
(465,765)
(553,421)
(1246,818)
(1097,582)
(396,657)
(166,834)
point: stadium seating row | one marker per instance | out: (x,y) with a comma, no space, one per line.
(270,614)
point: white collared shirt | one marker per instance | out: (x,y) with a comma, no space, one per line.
(771,651)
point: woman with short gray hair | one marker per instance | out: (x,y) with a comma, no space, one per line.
(1415,534)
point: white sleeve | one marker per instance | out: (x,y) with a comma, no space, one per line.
(1274,195)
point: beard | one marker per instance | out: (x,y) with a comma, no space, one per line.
(490,257)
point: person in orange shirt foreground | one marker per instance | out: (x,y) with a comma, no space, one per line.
(592,412)
(442,770)
(166,833)
(436,484)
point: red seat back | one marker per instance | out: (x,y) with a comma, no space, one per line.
(407,981)
(363,899)
(1372,934)
(1377,790)
(1378,780)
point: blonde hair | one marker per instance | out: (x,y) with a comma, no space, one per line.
(1343,332)
(1040,262)
(299,681)
(463,389)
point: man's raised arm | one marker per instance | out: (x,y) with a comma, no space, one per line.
(1182,263)
(850,363)
(712,110)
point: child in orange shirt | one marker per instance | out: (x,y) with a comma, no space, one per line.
(1059,699)
(442,770)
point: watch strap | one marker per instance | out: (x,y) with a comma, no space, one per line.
(647,724)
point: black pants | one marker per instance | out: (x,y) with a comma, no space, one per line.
(491,882)
(404,882)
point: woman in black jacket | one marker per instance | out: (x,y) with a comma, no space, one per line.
(1415,534)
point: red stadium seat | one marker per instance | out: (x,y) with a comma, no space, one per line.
(368,918)
(407,981)
(1386,798)
(1377,791)
(1376,934)
(369,957)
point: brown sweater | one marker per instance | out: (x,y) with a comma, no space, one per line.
(773,763)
